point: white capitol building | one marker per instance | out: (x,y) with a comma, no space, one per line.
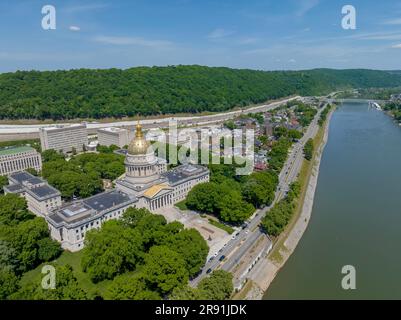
(145,184)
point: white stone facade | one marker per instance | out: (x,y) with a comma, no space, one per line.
(64,138)
(18,159)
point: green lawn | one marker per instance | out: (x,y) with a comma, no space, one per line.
(181,205)
(74,260)
(220,225)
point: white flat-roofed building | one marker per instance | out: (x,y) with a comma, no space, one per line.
(64,138)
(113,136)
(69,223)
(14,159)
(41,198)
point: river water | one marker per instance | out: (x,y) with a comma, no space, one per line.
(356,218)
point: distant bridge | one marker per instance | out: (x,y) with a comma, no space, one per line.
(356,101)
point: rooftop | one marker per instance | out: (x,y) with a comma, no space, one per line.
(64,127)
(13,150)
(113,129)
(44,191)
(25,177)
(90,207)
(183,172)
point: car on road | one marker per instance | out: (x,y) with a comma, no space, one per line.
(209,270)
(211,258)
(247,231)
(233,237)
(244,225)
(237,234)
(216,254)
(222,258)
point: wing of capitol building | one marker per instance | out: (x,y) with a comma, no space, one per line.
(145,184)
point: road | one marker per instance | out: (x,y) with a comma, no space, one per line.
(152,123)
(248,236)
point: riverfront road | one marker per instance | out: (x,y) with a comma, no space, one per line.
(153,123)
(244,240)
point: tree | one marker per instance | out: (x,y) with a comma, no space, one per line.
(164,269)
(187,293)
(8,257)
(258,188)
(51,155)
(111,251)
(218,286)
(13,209)
(8,283)
(3,182)
(24,238)
(48,249)
(308,149)
(32,171)
(232,208)
(192,247)
(203,197)
(67,288)
(130,287)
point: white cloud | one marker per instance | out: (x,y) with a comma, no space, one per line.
(245,41)
(396,46)
(74,28)
(219,33)
(292,60)
(392,22)
(305,6)
(377,36)
(85,7)
(136,41)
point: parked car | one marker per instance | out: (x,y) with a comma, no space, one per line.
(222,258)
(209,270)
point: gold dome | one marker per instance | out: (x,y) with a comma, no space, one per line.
(138,145)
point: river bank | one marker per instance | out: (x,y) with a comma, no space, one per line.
(267,268)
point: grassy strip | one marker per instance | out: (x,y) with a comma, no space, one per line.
(182,205)
(74,260)
(241,295)
(303,179)
(222,226)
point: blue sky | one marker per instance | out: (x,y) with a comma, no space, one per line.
(256,34)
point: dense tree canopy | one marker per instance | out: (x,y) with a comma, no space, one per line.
(308,149)
(110,251)
(82,175)
(116,93)
(143,249)
(217,286)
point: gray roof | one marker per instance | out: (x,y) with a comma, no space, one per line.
(24,176)
(43,192)
(14,188)
(184,172)
(106,200)
(89,209)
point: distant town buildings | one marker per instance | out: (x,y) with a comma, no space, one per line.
(113,136)
(41,198)
(64,138)
(14,159)
(395,98)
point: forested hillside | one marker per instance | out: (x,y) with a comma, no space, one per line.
(97,94)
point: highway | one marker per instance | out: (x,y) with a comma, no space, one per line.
(151,123)
(244,240)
